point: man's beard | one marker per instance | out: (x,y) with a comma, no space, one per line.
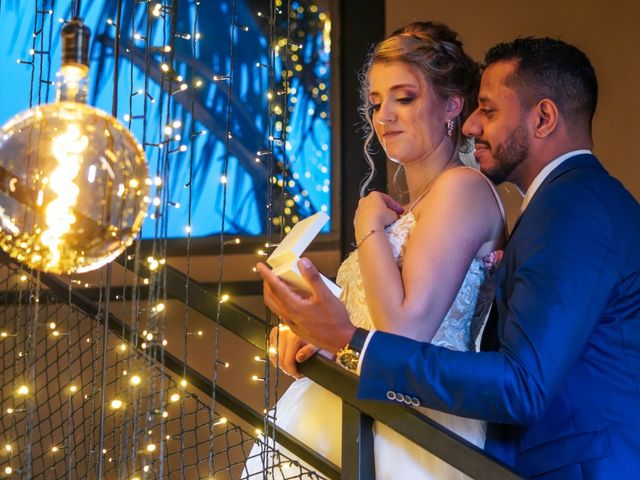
(508,156)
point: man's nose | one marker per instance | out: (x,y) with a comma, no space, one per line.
(472,126)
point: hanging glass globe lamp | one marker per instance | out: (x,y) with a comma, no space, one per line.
(73,180)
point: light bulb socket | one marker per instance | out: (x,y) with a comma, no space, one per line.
(75,43)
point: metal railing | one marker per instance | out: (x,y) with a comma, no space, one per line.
(358,415)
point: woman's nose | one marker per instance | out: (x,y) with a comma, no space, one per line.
(386,114)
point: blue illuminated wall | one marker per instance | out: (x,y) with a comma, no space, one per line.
(257,168)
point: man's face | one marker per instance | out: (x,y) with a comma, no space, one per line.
(498,126)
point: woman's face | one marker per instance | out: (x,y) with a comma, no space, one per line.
(408,116)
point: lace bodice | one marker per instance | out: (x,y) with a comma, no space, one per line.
(472,300)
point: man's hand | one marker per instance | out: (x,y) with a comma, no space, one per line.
(286,348)
(321,318)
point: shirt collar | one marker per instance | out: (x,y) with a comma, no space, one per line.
(544,173)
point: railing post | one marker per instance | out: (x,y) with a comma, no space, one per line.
(357,444)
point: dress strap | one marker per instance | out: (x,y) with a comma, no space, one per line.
(491,186)
(420,197)
(496,196)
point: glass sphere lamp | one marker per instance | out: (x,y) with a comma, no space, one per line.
(73,180)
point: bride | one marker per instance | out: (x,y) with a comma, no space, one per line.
(421,270)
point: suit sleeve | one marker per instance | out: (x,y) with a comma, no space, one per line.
(566,271)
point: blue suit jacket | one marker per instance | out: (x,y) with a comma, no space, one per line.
(562,393)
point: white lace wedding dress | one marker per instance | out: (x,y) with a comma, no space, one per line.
(314,415)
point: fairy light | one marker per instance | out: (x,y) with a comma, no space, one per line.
(224,298)
(220,421)
(135,380)
(183,383)
(151,447)
(73,389)
(8,447)
(174,397)
(23,390)
(116,404)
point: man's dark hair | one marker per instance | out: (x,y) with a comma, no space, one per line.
(553,69)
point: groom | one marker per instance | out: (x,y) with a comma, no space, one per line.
(561,386)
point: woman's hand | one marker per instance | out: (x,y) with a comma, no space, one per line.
(286,349)
(375,212)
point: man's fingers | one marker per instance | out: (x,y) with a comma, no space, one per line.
(312,276)
(277,288)
(305,352)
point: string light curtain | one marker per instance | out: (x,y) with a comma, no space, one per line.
(244,135)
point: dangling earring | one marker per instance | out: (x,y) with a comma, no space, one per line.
(451,124)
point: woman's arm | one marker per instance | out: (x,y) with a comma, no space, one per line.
(453,221)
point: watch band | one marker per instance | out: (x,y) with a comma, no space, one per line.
(357,340)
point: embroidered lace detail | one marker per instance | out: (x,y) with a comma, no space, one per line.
(471,302)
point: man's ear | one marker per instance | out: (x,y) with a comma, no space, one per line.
(454,106)
(546,118)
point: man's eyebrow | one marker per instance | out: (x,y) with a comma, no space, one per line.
(484,99)
(400,86)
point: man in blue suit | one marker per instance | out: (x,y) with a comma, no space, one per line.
(560,384)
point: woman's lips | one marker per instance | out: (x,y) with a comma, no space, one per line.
(391,134)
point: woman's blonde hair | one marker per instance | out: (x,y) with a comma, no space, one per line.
(435,51)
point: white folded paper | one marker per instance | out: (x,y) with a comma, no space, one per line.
(284,259)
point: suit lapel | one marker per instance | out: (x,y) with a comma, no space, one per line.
(577,161)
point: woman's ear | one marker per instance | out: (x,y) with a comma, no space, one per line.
(546,118)
(453,106)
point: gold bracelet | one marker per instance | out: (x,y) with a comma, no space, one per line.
(371,232)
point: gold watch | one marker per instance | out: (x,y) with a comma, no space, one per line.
(349,355)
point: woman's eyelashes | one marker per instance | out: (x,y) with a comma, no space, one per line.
(375,107)
(405,100)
